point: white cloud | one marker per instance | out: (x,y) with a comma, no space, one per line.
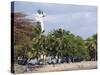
(70,17)
(83,23)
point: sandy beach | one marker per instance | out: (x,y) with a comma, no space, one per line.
(58,67)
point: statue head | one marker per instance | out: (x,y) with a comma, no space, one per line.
(40,12)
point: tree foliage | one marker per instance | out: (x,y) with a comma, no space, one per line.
(30,42)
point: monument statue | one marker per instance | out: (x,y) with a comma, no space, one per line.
(40,18)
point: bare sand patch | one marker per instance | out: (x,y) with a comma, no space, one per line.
(59,67)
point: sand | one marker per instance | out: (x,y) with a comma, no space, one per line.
(58,67)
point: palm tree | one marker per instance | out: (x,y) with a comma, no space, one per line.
(92,46)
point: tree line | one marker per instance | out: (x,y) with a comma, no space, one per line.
(30,42)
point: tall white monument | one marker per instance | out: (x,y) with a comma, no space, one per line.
(40,18)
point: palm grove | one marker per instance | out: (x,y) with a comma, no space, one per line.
(29,42)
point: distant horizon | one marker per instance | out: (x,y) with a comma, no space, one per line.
(80,20)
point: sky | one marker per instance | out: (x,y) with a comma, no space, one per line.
(78,19)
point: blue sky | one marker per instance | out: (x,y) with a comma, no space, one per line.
(79,19)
